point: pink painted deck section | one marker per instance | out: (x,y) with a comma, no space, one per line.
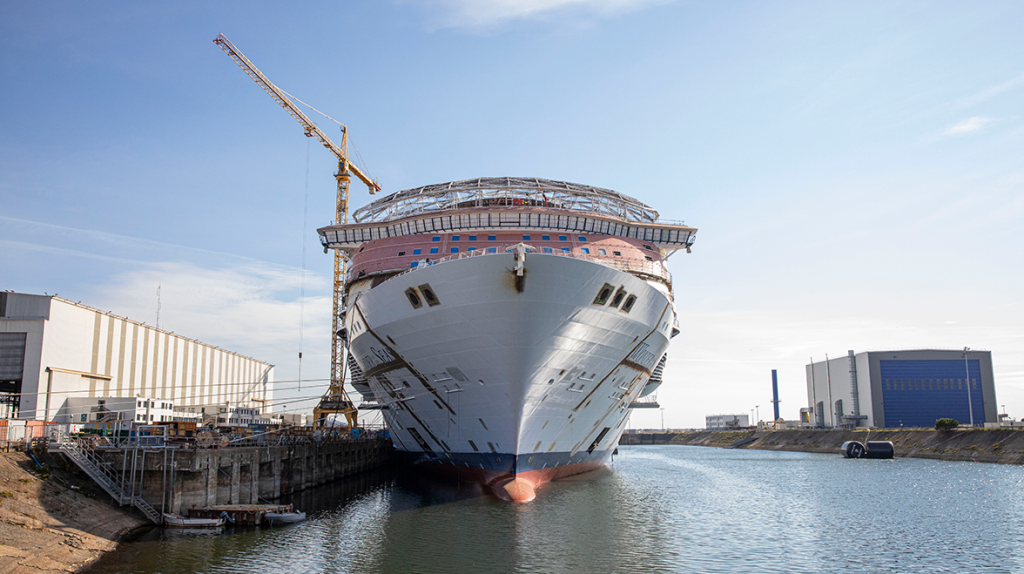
(398,253)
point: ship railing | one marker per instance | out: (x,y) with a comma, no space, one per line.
(652,269)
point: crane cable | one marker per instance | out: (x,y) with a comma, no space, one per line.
(302,284)
(359,157)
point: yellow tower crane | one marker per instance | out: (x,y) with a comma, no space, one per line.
(335,400)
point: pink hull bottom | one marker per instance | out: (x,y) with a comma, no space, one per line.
(518,486)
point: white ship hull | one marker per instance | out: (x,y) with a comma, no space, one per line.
(515,384)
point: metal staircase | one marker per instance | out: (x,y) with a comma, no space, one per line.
(96,469)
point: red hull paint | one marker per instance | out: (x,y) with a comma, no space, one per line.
(518,487)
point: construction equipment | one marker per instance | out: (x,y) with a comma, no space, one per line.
(335,400)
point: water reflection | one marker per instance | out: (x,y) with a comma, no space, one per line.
(657,509)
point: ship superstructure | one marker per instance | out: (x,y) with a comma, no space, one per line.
(505,325)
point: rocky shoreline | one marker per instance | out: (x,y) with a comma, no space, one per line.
(52,520)
(1002,446)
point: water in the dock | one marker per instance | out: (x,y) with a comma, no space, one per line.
(656,509)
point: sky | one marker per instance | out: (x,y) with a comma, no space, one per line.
(855,170)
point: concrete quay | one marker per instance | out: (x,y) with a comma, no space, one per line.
(1002,446)
(175,479)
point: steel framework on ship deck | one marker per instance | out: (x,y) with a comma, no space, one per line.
(518,191)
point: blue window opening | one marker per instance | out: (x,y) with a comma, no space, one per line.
(433,250)
(414,264)
(526,238)
(455,249)
(471,249)
(436,238)
(547,250)
(472,237)
(581,238)
(492,249)
(565,250)
(585,250)
(545,237)
(563,238)
(416,251)
(455,237)
(492,238)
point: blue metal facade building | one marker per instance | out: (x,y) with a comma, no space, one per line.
(915,393)
(908,388)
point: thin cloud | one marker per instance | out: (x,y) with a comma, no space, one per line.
(100,238)
(484,14)
(987,93)
(969,125)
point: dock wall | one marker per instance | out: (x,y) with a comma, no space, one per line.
(1005,446)
(173,480)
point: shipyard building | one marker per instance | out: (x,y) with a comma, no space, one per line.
(726,422)
(892,389)
(62,361)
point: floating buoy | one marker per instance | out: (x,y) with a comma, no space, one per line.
(873,449)
(880,449)
(852,449)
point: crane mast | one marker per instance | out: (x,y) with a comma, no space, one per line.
(335,400)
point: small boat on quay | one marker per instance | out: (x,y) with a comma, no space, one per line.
(278,518)
(175,521)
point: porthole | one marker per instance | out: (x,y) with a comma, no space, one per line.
(414,297)
(492,238)
(648,257)
(628,305)
(648,247)
(617,253)
(429,295)
(619,296)
(401,253)
(604,294)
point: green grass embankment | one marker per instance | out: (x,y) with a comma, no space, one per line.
(1002,446)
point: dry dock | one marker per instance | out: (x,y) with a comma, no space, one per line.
(174,480)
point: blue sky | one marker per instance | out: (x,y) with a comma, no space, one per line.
(855,170)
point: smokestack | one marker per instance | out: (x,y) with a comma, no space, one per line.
(775,393)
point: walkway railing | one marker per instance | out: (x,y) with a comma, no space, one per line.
(653,269)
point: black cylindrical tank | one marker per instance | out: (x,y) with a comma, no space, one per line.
(880,449)
(852,449)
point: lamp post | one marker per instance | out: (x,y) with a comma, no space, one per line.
(662,419)
(967,370)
